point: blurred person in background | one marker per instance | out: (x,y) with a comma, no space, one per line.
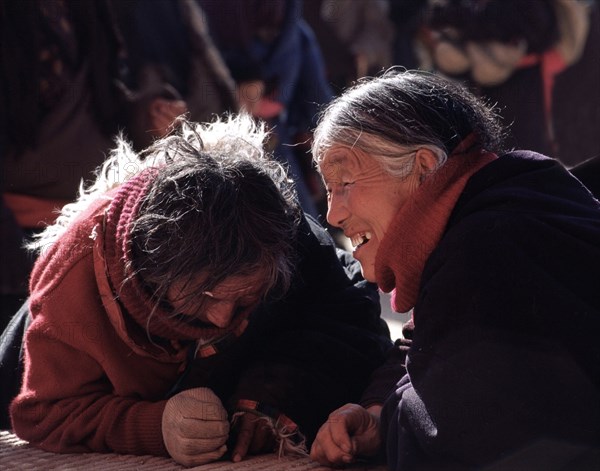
(73,74)
(356,36)
(278,68)
(538,60)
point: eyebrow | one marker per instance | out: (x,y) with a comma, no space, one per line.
(240,292)
(335,160)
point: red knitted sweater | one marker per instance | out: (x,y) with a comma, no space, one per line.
(93,381)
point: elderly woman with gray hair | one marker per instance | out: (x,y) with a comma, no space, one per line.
(184,306)
(497,256)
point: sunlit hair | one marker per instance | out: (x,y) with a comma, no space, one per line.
(219,206)
(391,116)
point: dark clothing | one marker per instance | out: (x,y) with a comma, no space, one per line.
(68,84)
(314,350)
(504,366)
(59,107)
(588,173)
(170,53)
(11,361)
(288,60)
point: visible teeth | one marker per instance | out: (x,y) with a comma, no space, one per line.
(360,239)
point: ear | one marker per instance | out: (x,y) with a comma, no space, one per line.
(425,162)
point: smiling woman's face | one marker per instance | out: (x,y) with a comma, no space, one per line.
(362,200)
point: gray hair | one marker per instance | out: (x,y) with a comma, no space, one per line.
(219,204)
(391,116)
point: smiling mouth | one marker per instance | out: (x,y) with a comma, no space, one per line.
(360,239)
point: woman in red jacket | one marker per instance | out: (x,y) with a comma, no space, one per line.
(193,236)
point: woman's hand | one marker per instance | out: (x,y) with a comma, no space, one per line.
(195,427)
(162,113)
(253,435)
(350,431)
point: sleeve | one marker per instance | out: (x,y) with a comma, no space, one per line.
(490,379)
(67,401)
(323,340)
(385,378)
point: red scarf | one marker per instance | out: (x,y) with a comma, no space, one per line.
(420,222)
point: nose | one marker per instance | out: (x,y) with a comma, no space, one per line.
(337,209)
(221,313)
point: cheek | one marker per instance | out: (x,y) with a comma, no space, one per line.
(400,192)
(219,311)
(375,203)
(381,210)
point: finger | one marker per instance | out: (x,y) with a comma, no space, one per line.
(263,440)
(338,432)
(198,459)
(191,427)
(328,455)
(326,451)
(316,452)
(194,409)
(244,435)
(194,446)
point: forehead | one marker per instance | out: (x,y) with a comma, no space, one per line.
(338,161)
(241,284)
(233,286)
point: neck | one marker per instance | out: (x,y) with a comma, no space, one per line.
(420,222)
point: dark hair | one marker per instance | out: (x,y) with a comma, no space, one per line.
(401,110)
(223,209)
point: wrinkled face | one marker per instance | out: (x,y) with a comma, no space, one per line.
(233,296)
(362,200)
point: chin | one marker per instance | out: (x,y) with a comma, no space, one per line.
(368,274)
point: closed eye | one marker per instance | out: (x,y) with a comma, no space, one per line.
(329,188)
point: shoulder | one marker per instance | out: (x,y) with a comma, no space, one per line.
(521,183)
(517,257)
(520,229)
(71,252)
(522,213)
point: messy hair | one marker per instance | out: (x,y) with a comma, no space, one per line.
(218,205)
(400,111)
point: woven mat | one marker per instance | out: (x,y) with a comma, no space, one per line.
(15,454)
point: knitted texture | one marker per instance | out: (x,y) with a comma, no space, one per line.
(126,285)
(420,222)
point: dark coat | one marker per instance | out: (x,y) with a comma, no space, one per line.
(504,367)
(588,173)
(310,352)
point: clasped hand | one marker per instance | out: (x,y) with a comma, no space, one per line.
(350,432)
(195,429)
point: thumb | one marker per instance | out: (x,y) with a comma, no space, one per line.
(366,440)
